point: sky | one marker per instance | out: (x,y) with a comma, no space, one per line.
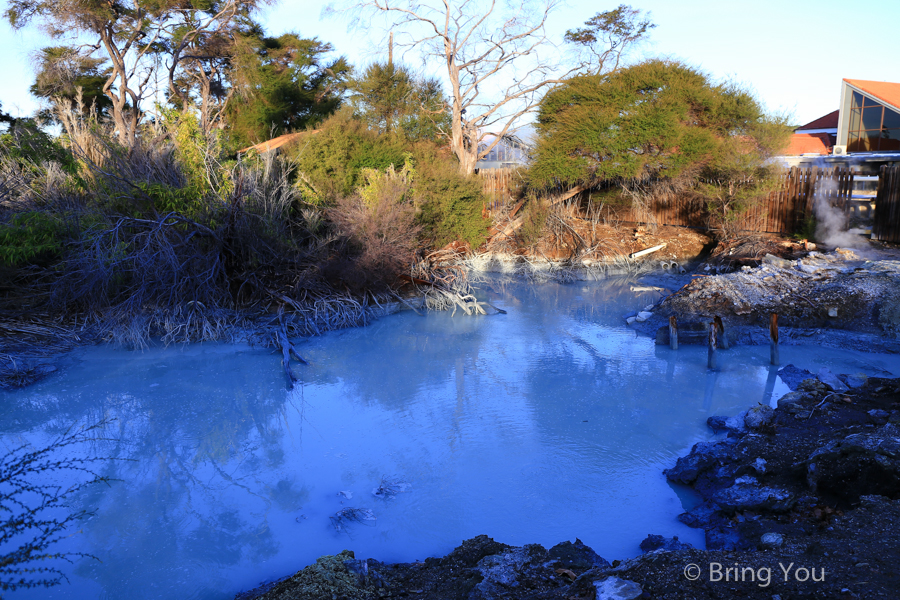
(792,55)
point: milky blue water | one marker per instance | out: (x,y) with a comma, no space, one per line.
(550,422)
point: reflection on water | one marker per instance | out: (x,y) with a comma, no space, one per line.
(550,422)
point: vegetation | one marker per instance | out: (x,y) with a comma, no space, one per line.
(494,56)
(659,127)
(333,163)
(391,99)
(282,84)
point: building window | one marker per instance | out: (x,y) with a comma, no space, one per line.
(873,126)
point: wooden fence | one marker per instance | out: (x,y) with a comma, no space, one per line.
(499,185)
(886,226)
(783,211)
(786,209)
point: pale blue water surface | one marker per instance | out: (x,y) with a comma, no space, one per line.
(550,422)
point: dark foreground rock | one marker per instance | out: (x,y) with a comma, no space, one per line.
(804,506)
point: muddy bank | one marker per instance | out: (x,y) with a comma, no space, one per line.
(798,502)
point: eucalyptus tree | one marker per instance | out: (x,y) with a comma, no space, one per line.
(497,57)
(64,74)
(200,44)
(124,32)
(132,35)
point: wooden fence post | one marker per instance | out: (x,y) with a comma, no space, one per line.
(773,338)
(723,339)
(673,333)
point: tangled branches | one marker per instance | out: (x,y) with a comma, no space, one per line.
(30,495)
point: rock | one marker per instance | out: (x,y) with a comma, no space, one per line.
(759,417)
(792,399)
(759,465)
(857,380)
(328,577)
(510,569)
(805,268)
(471,551)
(643,316)
(878,416)
(832,312)
(722,423)
(701,516)
(703,456)
(889,314)
(504,568)
(567,555)
(777,261)
(747,496)
(359,567)
(720,538)
(613,588)
(859,464)
(652,543)
(771,540)
(630,320)
(717,422)
(813,385)
(792,376)
(831,380)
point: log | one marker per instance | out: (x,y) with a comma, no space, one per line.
(287,349)
(410,306)
(515,225)
(286,359)
(647,251)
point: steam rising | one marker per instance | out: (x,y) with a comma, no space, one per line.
(831,222)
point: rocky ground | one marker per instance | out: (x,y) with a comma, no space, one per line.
(798,502)
(844,290)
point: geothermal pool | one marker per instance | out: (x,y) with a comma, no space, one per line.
(550,422)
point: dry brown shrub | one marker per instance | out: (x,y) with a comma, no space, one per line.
(381,238)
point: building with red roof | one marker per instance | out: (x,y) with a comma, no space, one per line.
(826,124)
(867,126)
(869,117)
(810,143)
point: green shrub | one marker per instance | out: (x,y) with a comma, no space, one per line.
(534,218)
(330,162)
(186,201)
(30,237)
(450,204)
(32,148)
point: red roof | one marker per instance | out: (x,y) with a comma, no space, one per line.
(884,91)
(829,121)
(809,143)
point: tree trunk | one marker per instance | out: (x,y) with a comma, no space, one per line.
(463,141)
